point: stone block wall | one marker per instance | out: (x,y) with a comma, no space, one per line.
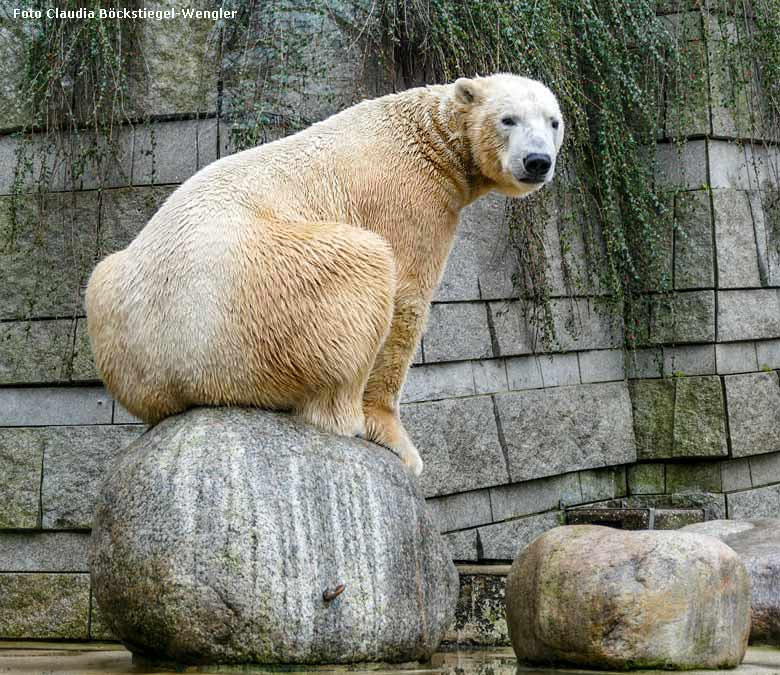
(513,438)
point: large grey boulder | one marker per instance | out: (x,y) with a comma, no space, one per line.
(616,599)
(757,542)
(226,536)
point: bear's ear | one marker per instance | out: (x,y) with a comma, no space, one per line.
(467,91)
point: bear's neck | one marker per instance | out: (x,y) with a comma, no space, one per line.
(442,142)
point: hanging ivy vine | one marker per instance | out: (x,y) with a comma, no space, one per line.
(73,96)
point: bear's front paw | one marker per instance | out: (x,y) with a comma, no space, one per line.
(383,426)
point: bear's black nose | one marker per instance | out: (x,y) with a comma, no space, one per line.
(537,164)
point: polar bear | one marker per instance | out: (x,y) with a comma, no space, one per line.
(297,275)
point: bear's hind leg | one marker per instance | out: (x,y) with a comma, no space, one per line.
(338,411)
(333,289)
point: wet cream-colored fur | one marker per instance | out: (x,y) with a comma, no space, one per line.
(297,275)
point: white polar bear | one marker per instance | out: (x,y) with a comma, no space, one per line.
(297,275)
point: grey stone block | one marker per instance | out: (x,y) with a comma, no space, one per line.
(732,166)
(48,250)
(684,167)
(559,369)
(551,431)
(687,109)
(505,541)
(480,617)
(688,317)
(75,462)
(646,363)
(763,502)
(14,110)
(736,240)
(457,331)
(753,403)
(653,407)
(231,136)
(177,73)
(768,354)
(482,261)
(736,357)
(765,469)
(686,94)
(612,512)
(8,160)
(580,325)
(689,360)
(659,275)
(489,376)
(44,606)
(763,166)
(604,365)
(568,263)
(34,157)
(437,381)
(460,281)
(536,496)
(600,484)
(748,314)
(514,335)
(165,152)
(763,208)
(20,489)
(123,416)
(674,519)
(699,418)
(107,164)
(459,444)
(733,91)
(463,545)
(208,141)
(690,477)
(83,368)
(125,212)
(418,354)
(460,511)
(524,372)
(735,475)
(327,59)
(712,505)
(646,479)
(567,260)
(693,250)
(33,407)
(44,551)
(35,351)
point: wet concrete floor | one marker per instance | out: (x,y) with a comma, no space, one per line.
(109,659)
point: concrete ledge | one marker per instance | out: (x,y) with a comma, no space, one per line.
(51,406)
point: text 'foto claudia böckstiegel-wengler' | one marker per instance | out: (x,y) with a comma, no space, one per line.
(124,13)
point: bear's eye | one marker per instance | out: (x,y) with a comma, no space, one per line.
(508,121)
(555,124)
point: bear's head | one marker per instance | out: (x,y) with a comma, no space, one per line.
(514,128)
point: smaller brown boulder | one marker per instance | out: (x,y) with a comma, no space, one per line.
(757,542)
(615,599)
